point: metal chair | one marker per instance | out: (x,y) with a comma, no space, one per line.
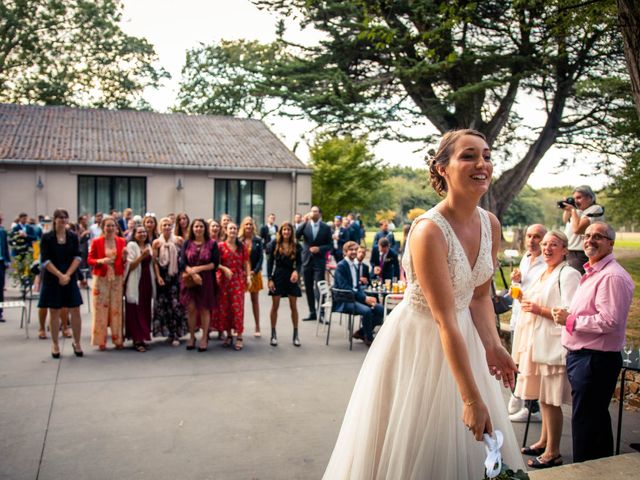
(339,296)
(390,302)
(324,302)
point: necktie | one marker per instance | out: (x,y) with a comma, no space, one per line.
(314,230)
(354,276)
(382,261)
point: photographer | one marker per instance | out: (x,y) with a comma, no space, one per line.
(580,211)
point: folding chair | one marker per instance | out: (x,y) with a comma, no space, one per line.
(324,302)
(347,297)
(390,302)
(22,305)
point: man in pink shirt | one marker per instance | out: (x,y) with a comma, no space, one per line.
(594,335)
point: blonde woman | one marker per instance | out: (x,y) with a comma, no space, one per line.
(253,245)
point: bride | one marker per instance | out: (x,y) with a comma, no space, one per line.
(424,395)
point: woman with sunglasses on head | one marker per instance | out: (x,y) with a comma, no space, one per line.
(140,289)
(168,315)
(198,261)
(284,261)
(107,255)
(60,257)
(253,245)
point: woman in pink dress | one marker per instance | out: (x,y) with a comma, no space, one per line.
(234,263)
(198,260)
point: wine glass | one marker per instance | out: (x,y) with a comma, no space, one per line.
(627,349)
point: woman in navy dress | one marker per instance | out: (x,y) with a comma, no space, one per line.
(60,257)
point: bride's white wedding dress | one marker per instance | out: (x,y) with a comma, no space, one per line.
(404,417)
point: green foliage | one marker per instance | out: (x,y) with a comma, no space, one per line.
(226,79)
(345,175)
(72,52)
(524,210)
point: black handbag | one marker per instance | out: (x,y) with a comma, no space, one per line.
(502,301)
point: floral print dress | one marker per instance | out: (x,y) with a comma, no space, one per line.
(230,314)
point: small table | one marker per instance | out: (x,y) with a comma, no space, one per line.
(634,366)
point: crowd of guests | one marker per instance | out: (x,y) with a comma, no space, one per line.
(568,320)
(179,276)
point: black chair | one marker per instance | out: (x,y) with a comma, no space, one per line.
(339,296)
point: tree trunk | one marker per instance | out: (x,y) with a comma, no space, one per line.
(629,16)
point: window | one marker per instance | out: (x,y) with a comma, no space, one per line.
(101,194)
(239,198)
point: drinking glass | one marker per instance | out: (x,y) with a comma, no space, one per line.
(516,291)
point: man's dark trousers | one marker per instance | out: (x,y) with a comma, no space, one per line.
(312,273)
(593,375)
(2,275)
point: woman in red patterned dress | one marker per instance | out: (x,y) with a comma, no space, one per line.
(235,259)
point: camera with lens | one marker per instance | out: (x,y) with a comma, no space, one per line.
(568,200)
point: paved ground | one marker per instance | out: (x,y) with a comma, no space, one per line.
(262,413)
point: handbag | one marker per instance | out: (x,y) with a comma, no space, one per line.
(191,280)
(501,300)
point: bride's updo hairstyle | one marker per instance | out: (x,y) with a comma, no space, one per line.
(443,155)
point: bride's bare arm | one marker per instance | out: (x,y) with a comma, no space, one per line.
(500,363)
(429,258)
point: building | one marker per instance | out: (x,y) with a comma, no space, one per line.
(88,160)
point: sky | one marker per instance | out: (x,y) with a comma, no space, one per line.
(174,27)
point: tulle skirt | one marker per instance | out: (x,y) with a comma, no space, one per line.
(404,419)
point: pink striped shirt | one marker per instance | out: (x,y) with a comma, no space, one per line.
(599,309)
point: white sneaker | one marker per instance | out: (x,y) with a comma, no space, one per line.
(521,416)
(515,404)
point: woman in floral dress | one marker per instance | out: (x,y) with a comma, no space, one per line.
(168,315)
(233,256)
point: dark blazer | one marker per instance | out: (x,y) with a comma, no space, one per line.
(4,246)
(389,235)
(391,267)
(343,280)
(256,258)
(343,237)
(323,240)
(265,235)
(364,271)
(62,260)
(32,235)
(354,233)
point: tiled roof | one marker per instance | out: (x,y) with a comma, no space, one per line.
(78,136)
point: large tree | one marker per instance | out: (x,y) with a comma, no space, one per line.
(629,15)
(383,65)
(72,52)
(345,175)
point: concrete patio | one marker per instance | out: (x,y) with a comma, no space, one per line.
(262,413)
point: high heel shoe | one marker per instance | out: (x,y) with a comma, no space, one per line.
(204,349)
(274,341)
(77,353)
(296,341)
(55,354)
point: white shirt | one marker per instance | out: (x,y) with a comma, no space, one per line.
(354,273)
(595,214)
(530,272)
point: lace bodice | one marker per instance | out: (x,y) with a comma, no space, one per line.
(464,279)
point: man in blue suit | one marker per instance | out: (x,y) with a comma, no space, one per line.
(346,278)
(385,261)
(4,261)
(340,237)
(317,242)
(22,235)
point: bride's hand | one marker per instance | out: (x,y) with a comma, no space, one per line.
(476,419)
(502,366)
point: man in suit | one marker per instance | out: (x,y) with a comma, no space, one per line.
(317,242)
(384,232)
(385,261)
(4,261)
(346,278)
(594,334)
(364,272)
(269,230)
(353,229)
(22,235)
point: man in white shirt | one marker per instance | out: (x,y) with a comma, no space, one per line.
(95,230)
(531,267)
